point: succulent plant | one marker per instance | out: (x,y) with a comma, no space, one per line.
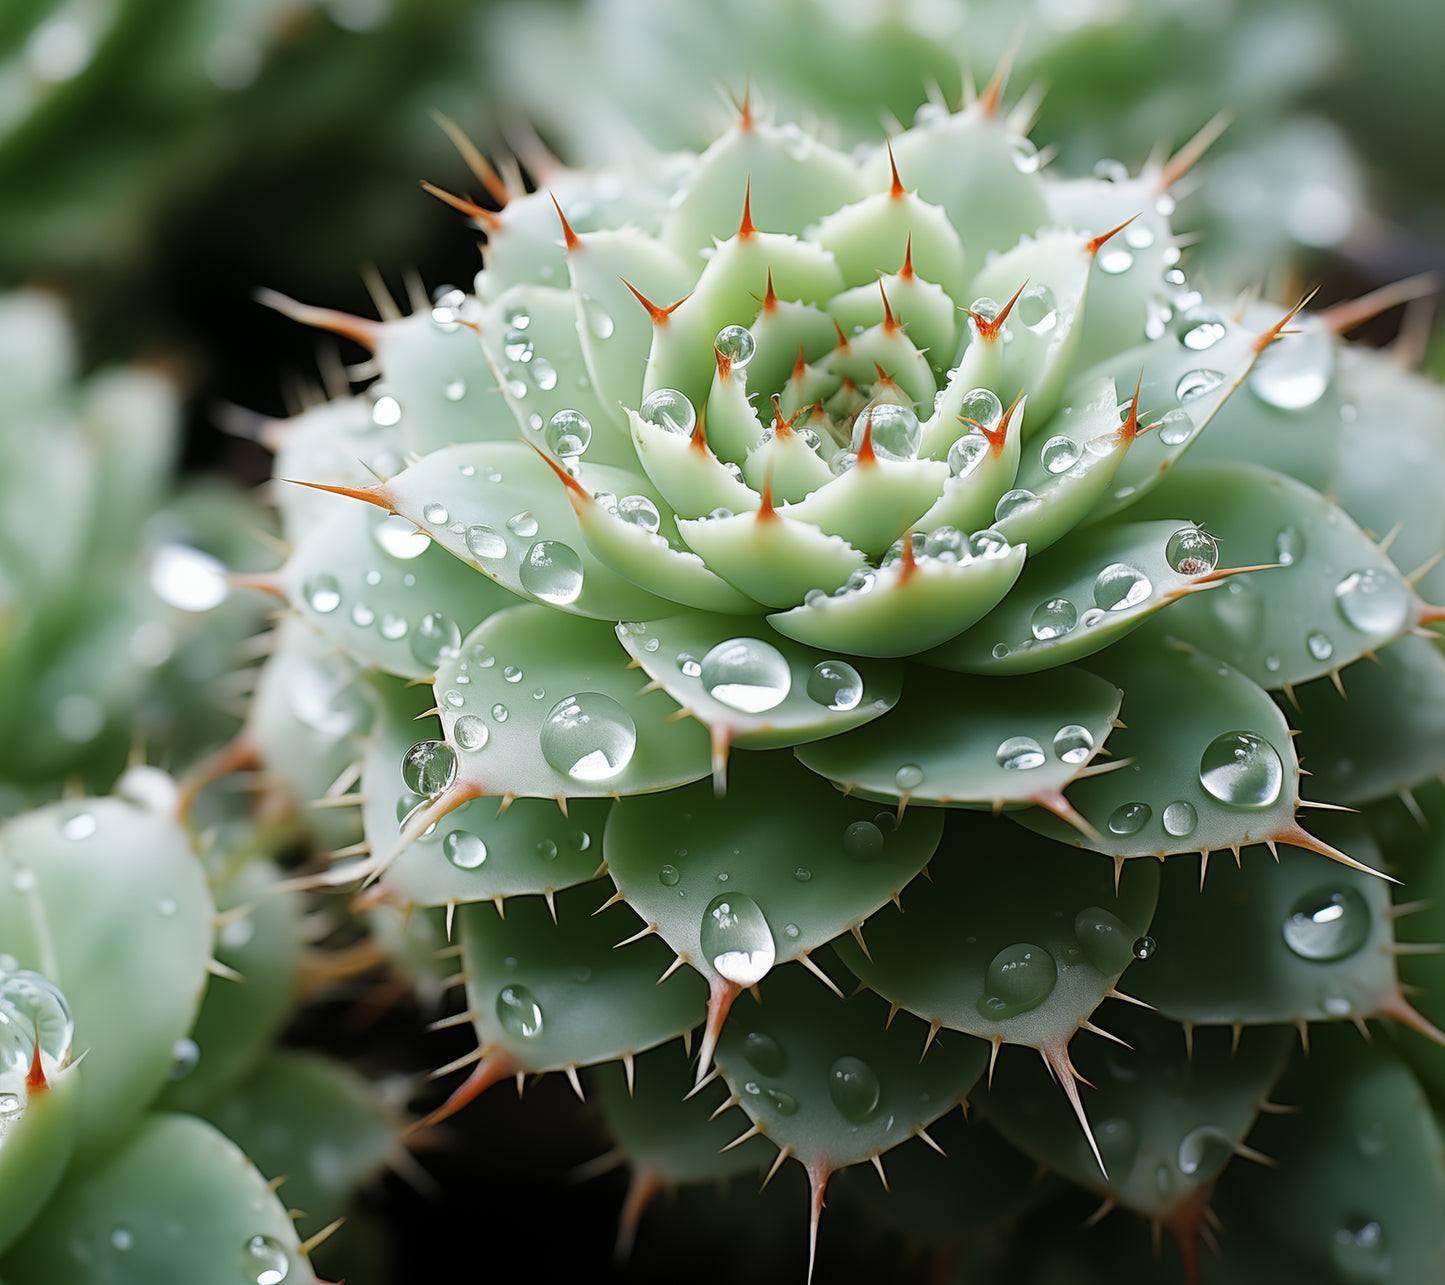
(781,540)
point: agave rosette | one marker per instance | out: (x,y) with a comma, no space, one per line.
(771,523)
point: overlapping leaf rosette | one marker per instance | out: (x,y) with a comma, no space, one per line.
(774,526)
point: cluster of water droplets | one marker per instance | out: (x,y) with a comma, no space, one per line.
(1072,744)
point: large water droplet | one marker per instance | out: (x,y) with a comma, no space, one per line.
(894,430)
(668,876)
(1106,940)
(1180,819)
(552,571)
(464,850)
(639,511)
(32,1010)
(263,1261)
(1327,923)
(1192,551)
(1202,1152)
(523,524)
(399,538)
(1019,978)
(436,636)
(519,1012)
(323,593)
(1242,769)
(588,737)
(569,433)
(668,409)
(1359,1254)
(1073,743)
(853,1086)
(1019,753)
(1013,502)
(470,732)
(485,542)
(1053,619)
(1294,371)
(765,1054)
(1373,602)
(1176,428)
(1119,586)
(429,767)
(836,685)
(436,514)
(1037,310)
(862,841)
(736,940)
(1059,454)
(1129,818)
(981,406)
(908,777)
(746,674)
(965,453)
(736,343)
(987,543)
(1196,383)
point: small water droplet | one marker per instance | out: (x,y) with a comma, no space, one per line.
(1202,1152)
(485,542)
(1115,261)
(464,850)
(429,767)
(552,571)
(546,849)
(908,777)
(1176,428)
(1019,753)
(1192,551)
(1129,818)
(455,390)
(544,374)
(1106,940)
(735,939)
(522,524)
(470,733)
(80,826)
(1373,601)
(784,1103)
(981,405)
(519,1012)
(1118,1145)
(1196,383)
(765,1054)
(737,344)
(1037,310)
(1328,923)
(512,674)
(966,452)
(854,1088)
(436,637)
(987,543)
(1073,743)
(1180,819)
(668,876)
(436,514)
(1199,328)
(1059,454)
(746,674)
(322,593)
(835,685)
(121,1239)
(1144,947)
(1320,646)
(1019,978)
(589,737)
(1053,619)
(1013,502)
(263,1261)
(1242,769)
(1119,586)
(668,409)
(802,874)
(569,434)
(862,841)
(185,1057)
(639,511)
(499,713)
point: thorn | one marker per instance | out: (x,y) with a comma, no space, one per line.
(569,237)
(359,329)
(745,227)
(896,189)
(35,1081)
(890,322)
(727,1104)
(645,931)
(1259,1158)
(488,219)
(751,1132)
(1102,1212)
(857,931)
(1108,1035)
(491,1067)
(218,969)
(1344,317)
(1274,332)
(783,1153)
(989,327)
(370,494)
(817,972)
(721,994)
(866,456)
(994,1045)
(905,273)
(918,1131)
(1304,1035)
(480,167)
(1295,835)
(1129,429)
(659,315)
(705,1081)
(1054,801)
(667,972)
(770,299)
(1093,246)
(1056,1058)
(988,101)
(721,737)
(574,1081)
(817,1181)
(934,1026)
(878,1165)
(1188,156)
(317,1238)
(578,495)
(549,895)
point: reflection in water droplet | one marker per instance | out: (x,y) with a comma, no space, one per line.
(1013,502)
(589,737)
(853,1086)
(1115,261)
(1119,586)
(569,434)
(32,1010)
(736,940)
(522,524)
(485,542)
(835,685)
(1129,818)
(746,674)
(1019,753)
(469,732)
(1053,619)
(1144,947)
(966,452)
(464,850)
(436,514)
(400,539)
(1176,428)
(1019,978)
(668,409)
(1196,383)
(862,840)
(552,571)
(1328,923)
(987,543)
(1242,769)
(783,1102)
(80,826)
(1073,743)
(436,636)
(1180,819)
(1373,601)
(1059,454)
(1106,940)
(1192,551)
(981,405)
(639,511)
(765,1054)
(519,1012)
(668,876)
(1202,1152)
(429,767)
(263,1260)
(1199,328)
(736,343)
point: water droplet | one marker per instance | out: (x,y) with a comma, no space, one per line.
(485,542)
(784,1103)
(1019,978)
(639,511)
(362,615)
(1013,502)
(392,627)
(499,713)
(853,1086)
(121,1239)
(80,826)
(1202,1152)
(668,409)
(1119,586)
(987,543)
(1037,310)
(455,390)
(1060,454)
(569,433)
(1328,923)
(765,1054)
(986,308)
(436,637)
(588,737)
(386,412)
(1242,769)
(736,940)
(544,374)
(1192,551)
(1176,428)
(894,430)
(966,452)
(981,405)
(1144,947)
(862,841)
(1053,619)
(1110,170)
(263,1261)
(1115,261)
(519,1012)
(322,593)
(1019,753)
(1073,743)
(436,514)
(835,684)
(1000,650)
(464,850)
(1373,601)
(1180,819)
(1129,818)
(908,777)
(1359,1254)
(469,732)
(746,674)
(1196,383)
(522,524)
(1106,940)
(1199,328)
(512,674)
(802,874)
(400,538)
(736,343)
(552,571)
(668,876)
(1293,372)
(689,664)
(429,767)
(546,849)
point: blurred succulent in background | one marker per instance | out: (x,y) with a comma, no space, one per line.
(882,514)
